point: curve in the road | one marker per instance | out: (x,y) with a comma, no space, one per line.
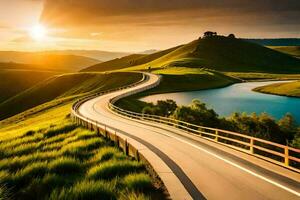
(189,166)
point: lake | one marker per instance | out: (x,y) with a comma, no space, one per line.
(237,98)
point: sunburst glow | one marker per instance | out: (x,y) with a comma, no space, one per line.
(38,32)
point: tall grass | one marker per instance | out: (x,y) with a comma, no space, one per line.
(85,190)
(63,161)
(113,168)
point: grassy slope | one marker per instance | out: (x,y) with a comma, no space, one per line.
(48,61)
(262,76)
(15,81)
(44,156)
(128,61)
(285,89)
(292,50)
(64,86)
(217,53)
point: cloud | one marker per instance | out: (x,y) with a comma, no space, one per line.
(170,22)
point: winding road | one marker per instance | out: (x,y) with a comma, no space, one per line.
(192,167)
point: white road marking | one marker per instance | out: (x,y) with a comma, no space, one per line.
(240,167)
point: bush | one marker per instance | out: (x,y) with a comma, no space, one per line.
(107,153)
(113,168)
(65,165)
(137,182)
(34,170)
(60,130)
(86,190)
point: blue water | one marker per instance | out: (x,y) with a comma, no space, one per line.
(237,98)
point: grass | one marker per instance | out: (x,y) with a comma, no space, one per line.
(291,89)
(80,164)
(64,88)
(128,61)
(292,50)
(87,190)
(262,76)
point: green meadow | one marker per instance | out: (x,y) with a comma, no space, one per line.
(46,156)
(291,89)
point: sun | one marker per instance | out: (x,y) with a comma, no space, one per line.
(38,32)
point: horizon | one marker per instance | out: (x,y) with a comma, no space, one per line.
(136,26)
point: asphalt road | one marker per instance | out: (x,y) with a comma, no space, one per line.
(206,169)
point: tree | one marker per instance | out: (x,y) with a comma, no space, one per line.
(167,107)
(232,36)
(209,34)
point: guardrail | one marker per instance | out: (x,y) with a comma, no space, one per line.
(277,153)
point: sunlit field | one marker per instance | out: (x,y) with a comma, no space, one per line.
(56,159)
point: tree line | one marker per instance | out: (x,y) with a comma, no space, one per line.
(284,131)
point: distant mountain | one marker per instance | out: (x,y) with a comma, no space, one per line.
(150,51)
(217,53)
(46,61)
(276,42)
(95,54)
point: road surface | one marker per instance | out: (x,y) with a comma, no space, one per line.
(207,170)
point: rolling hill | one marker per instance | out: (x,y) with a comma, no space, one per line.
(217,53)
(128,61)
(62,87)
(276,41)
(15,81)
(292,50)
(48,61)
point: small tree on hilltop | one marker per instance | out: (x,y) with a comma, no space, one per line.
(208,34)
(232,36)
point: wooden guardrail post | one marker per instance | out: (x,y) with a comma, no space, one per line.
(252,146)
(126,147)
(286,156)
(217,133)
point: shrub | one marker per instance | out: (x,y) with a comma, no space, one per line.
(85,134)
(114,168)
(85,190)
(34,170)
(107,153)
(77,148)
(133,196)
(65,165)
(60,130)
(138,182)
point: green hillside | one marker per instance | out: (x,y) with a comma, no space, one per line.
(128,61)
(292,50)
(217,53)
(64,86)
(15,81)
(48,61)
(115,64)
(43,155)
(291,89)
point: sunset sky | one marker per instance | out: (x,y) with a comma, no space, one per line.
(137,25)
